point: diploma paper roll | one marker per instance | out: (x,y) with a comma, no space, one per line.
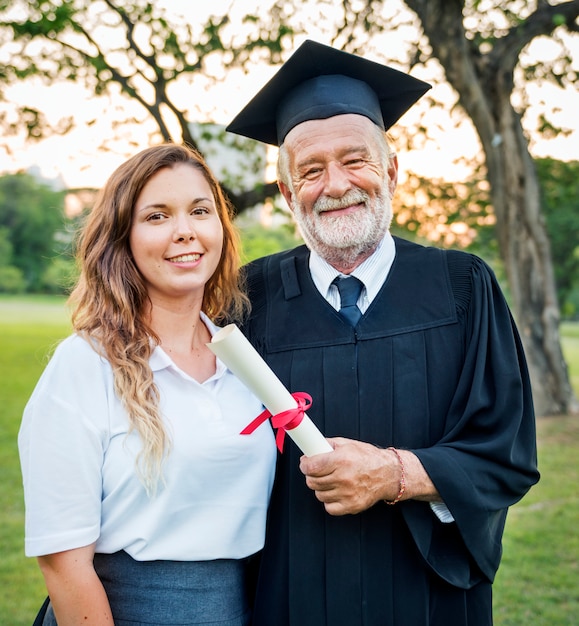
(231,346)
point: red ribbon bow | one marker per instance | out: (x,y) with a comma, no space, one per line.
(286,420)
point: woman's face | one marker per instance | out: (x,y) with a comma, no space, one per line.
(176,234)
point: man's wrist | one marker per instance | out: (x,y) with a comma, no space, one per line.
(402,479)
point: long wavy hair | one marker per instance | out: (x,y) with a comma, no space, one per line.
(110,299)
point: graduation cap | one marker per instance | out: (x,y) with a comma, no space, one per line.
(318,82)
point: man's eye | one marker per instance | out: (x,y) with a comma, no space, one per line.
(312,172)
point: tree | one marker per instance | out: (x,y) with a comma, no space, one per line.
(132,47)
(30,215)
(480,63)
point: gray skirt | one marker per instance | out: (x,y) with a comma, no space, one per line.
(165,593)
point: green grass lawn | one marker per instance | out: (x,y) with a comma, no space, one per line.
(29,329)
(537,585)
(538,582)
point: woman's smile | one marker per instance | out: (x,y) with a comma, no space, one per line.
(176,237)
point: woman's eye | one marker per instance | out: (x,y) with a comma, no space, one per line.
(155,217)
(200,210)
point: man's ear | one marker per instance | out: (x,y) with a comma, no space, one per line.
(392,174)
(285,192)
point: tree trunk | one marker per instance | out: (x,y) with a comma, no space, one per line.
(484,85)
(526,253)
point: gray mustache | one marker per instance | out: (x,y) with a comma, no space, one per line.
(348,199)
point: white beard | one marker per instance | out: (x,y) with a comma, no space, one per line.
(342,240)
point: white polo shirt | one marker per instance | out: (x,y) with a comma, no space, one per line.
(78,464)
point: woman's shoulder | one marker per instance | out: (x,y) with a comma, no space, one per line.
(76,357)
(75,376)
(77,346)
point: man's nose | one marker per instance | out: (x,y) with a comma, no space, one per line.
(337,181)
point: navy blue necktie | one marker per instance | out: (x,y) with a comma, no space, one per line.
(350,288)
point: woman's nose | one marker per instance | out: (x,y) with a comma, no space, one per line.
(184,230)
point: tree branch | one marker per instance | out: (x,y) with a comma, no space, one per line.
(543,21)
(130,29)
(251,197)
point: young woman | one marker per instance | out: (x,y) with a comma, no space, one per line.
(143,502)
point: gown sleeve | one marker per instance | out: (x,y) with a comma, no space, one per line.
(487,460)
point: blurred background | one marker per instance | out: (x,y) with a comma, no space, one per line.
(488,158)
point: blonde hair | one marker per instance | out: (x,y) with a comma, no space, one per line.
(110,298)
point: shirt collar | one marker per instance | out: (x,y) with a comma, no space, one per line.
(372,272)
(160,360)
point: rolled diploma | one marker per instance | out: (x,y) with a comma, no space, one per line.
(231,346)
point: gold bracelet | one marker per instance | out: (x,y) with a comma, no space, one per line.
(402,488)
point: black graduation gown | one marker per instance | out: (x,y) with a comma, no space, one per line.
(435,366)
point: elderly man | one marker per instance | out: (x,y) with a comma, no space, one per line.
(412,359)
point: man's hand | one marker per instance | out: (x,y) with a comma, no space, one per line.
(353,477)
(356,475)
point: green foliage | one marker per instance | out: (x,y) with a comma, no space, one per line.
(258,241)
(59,277)
(560,194)
(570,331)
(30,215)
(11,279)
(5,247)
(559,19)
